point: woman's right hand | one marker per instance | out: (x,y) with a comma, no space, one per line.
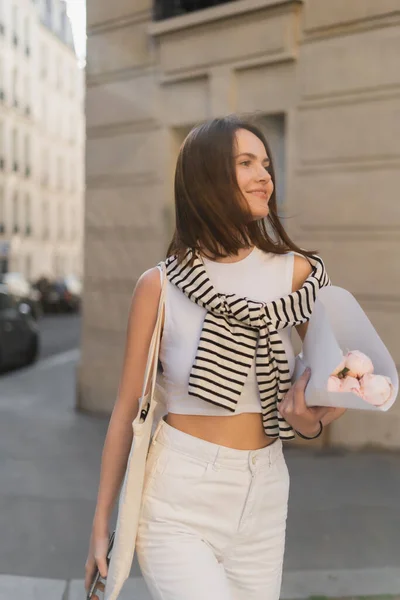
(97,557)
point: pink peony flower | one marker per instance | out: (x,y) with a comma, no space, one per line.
(376,389)
(339,368)
(350,384)
(358,364)
(334,384)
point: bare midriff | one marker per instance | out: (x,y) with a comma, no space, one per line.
(242,432)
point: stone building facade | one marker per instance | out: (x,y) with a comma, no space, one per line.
(324,77)
(42,132)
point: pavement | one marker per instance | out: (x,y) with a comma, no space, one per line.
(344,512)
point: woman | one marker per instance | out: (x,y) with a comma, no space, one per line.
(214,507)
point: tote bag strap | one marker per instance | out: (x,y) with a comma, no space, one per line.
(152,359)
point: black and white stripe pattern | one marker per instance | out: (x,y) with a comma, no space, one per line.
(235,330)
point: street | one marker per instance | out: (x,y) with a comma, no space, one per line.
(344,514)
(59,333)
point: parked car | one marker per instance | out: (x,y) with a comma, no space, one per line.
(60,295)
(23,291)
(19,332)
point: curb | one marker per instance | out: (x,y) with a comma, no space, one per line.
(344,584)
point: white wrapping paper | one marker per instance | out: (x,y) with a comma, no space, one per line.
(338,324)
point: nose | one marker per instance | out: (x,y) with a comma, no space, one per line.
(263,174)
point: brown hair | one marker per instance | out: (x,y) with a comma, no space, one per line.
(209,213)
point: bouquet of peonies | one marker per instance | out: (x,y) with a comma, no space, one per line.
(336,324)
(355,374)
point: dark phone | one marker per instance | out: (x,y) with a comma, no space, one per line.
(97,573)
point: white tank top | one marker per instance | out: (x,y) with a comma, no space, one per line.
(260,276)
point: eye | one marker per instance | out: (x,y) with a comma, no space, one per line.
(245,163)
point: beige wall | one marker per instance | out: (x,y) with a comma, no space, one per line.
(329,67)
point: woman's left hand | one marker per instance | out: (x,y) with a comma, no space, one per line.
(301,417)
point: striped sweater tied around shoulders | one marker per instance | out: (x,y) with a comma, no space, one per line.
(235,330)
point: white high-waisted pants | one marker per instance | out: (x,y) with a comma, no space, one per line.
(213,520)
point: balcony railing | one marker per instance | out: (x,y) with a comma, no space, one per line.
(164,9)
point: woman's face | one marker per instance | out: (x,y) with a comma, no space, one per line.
(252,174)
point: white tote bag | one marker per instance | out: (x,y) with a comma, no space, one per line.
(131,491)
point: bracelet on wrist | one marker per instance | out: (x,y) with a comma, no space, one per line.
(314,437)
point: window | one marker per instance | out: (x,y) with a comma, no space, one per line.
(59,73)
(274,127)
(27,29)
(1,146)
(45,220)
(45,166)
(1,16)
(15,213)
(43,61)
(2,95)
(27,155)
(28,223)
(2,215)
(63,21)
(15,87)
(49,11)
(14,24)
(164,9)
(27,94)
(14,148)
(60,172)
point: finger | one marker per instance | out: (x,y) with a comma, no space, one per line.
(302,381)
(100,557)
(102,565)
(89,574)
(286,406)
(298,392)
(282,405)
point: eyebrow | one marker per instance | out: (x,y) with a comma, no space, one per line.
(253,156)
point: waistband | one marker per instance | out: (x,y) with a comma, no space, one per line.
(213,453)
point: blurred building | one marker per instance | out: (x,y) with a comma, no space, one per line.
(41,141)
(323,76)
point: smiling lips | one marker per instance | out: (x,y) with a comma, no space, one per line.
(260,193)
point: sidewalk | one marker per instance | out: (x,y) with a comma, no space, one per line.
(294,587)
(344,512)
